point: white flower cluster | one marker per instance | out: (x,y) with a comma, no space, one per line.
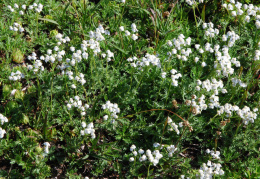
(183,177)
(62,67)
(80,78)
(109,55)
(153,157)
(127,33)
(214,102)
(173,126)
(247,11)
(193,2)
(77,103)
(93,43)
(16,27)
(46,147)
(210,31)
(199,106)
(224,62)
(212,85)
(60,39)
(16,76)
(112,108)
(77,57)
(37,7)
(37,65)
(245,114)
(199,49)
(3,119)
(171,149)
(21,12)
(97,35)
(174,77)
(236,81)
(215,155)
(179,45)
(50,57)
(209,170)
(257,24)
(232,37)
(88,129)
(257,54)
(2,133)
(145,61)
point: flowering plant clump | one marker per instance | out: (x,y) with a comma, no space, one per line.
(129,89)
(112,109)
(149,156)
(16,27)
(89,130)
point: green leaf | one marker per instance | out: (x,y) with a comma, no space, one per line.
(49,20)
(118,48)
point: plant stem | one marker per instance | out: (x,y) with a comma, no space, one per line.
(148,171)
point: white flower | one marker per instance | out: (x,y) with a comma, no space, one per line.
(3,119)
(134,37)
(69,106)
(134,29)
(140,151)
(133,147)
(203,64)
(73,86)
(207,151)
(234,13)
(21,12)
(131,159)
(135,153)
(127,33)
(16,6)
(49,51)
(2,133)
(56,48)
(105,117)
(13,92)
(83,124)
(47,145)
(72,49)
(164,74)
(121,28)
(156,144)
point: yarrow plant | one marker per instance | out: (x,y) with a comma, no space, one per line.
(129,89)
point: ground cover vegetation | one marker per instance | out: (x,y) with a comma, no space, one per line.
(129,89)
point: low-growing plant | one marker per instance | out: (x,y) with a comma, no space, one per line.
(129,89)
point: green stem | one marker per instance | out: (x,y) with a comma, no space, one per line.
(195,20)
(117,26)
(181,136)
(132,72)
(148,171)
